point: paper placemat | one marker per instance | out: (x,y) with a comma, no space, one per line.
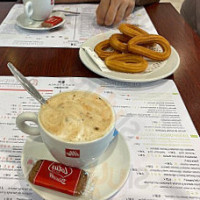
(76,30)
(164,144)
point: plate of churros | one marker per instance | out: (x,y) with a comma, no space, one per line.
(130,54)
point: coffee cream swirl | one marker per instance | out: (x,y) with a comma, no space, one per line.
(76,116)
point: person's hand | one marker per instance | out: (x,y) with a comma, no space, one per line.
(111,12)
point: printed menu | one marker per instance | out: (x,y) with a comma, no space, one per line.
(76,30)
(164,144)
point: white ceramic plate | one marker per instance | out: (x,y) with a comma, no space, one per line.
(105,178)
(28,24)
(155,70)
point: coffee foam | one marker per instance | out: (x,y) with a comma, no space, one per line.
(76,116)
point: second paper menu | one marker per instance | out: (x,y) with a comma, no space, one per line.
(76,30)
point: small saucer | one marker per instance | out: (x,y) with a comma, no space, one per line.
(106,177)
(29,24)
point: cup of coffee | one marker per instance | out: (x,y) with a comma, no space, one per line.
(76,126)
(38,10)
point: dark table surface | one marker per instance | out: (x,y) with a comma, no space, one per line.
(167,21)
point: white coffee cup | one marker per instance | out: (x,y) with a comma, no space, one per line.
(72,153)
(38,10)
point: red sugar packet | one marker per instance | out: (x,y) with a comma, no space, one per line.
(58,177)
(52,21)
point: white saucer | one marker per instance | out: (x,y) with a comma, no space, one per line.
(105,179)
(29,24)
(155,70)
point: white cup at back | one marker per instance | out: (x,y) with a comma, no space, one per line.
(38,10)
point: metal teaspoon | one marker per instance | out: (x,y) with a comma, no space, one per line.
(26,84)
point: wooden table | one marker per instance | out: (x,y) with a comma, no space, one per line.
(66,62)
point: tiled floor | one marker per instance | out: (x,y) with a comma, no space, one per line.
(176,3)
